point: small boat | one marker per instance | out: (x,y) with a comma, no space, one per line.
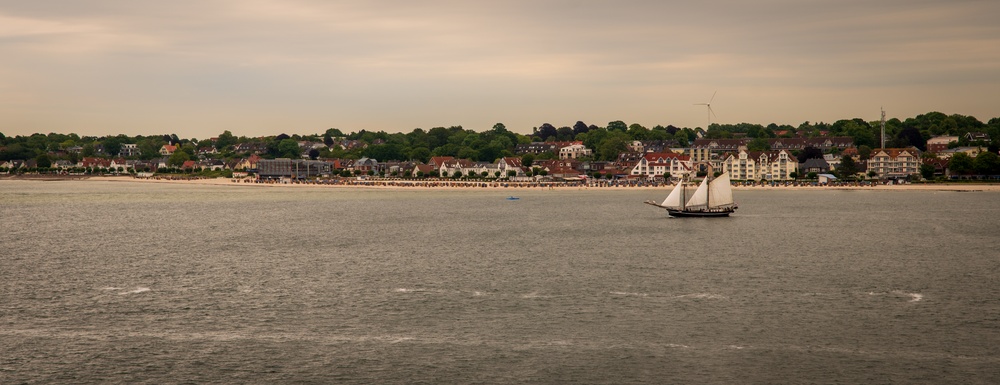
(513,198)
(713,198)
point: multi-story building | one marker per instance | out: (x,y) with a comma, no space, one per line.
(766,165)
(129,150)
(892,163)
(938,144)
(575,151)
(659,164)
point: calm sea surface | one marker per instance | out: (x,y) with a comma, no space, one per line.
(121,282)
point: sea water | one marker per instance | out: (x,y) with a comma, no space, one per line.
(122,282)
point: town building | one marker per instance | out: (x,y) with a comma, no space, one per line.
(766,165)
(939,144)
(894,163)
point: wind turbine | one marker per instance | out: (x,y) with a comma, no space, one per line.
(709,106)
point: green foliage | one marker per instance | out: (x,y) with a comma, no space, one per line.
(178,158)
(226,140)
(289,148)
(848,168)
(927,171)
(759,144)
(961,164)
(986,163)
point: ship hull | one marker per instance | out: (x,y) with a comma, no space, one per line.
(700,213)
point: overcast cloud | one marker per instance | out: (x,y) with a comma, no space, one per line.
(263,67)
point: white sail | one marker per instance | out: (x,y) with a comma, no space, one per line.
(674,198)
(700,197)
(721,191)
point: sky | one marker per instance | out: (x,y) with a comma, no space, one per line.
(196,68)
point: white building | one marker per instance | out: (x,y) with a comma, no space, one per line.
(767,165)
(574,151)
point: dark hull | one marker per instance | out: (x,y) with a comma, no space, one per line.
(709,214)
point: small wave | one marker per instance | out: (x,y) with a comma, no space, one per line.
(136,291)
(111,288)
(703,296)
(625,293)
(914,297)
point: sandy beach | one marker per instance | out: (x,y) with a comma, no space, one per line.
(493,186)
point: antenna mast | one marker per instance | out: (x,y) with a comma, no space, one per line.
(883,127)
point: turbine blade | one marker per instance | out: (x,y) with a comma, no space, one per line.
(713,97)
(712,111)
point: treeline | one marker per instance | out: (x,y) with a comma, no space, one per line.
(419,144)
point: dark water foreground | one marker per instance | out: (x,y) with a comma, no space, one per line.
(104,282)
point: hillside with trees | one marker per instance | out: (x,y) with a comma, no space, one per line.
(420,145)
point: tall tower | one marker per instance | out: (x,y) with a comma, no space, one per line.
(883,127)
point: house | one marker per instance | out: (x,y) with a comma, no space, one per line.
(437,161)
(247,163)
(88,162)
(207,150)
(212,164)
(364,165)
(574,151)
(119,163)
(250,148)
(540,147)
(423,170)
(450,167)
(939,144)
(507,165)
(974,137)
(653,165)
(816,165)
(968,150)
(167,149)
(892,163)
(940,165)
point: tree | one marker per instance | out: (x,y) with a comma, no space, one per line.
(546,131)
(986,163)
(927,171)
(43,160)
(527,159)
(760,144)
(864,152)
(848,168)
(289,148)
(961,164)
(617,125)
(225,141)
(313,153)
(178,158)
(810,153)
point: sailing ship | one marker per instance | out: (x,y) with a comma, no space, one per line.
(712,198)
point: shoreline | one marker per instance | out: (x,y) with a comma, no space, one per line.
(493,186)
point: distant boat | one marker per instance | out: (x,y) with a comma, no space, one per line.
(713,198)
(513,198)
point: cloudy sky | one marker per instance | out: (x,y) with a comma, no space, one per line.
(263,67)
